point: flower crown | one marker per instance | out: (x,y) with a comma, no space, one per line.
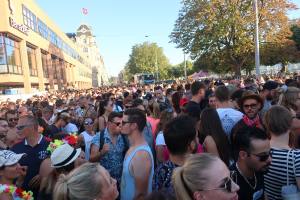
(18,193)
(70,139)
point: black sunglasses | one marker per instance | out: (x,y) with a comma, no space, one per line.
(250,106)
(117,123)
(22,127)
(263,157)
(13,119)
(128,122)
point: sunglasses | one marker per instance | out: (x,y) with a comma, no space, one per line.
(117,123)
(13,119)
(24,126)
(88,123)
(262,157)
(227,184)
(252,106)
(128,122)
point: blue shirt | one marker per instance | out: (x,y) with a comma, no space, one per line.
(128,181)
(33,159)
(112,161)
(163,176)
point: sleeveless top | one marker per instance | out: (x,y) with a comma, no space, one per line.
(87,142)
(127,182)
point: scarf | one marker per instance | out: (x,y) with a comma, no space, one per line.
(252,122)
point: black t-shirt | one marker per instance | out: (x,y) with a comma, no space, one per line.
(246,192)
(193,109)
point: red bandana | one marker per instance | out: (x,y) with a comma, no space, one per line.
(252,122)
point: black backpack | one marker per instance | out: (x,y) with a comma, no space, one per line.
(124,138)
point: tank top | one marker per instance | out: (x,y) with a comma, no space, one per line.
(87,142)
(127,182)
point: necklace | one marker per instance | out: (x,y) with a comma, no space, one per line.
(245,178)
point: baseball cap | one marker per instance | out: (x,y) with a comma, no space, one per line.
(8,158)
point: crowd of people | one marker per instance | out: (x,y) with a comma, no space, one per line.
(212,139)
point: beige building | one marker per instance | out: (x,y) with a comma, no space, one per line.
(35,54)
(86,41)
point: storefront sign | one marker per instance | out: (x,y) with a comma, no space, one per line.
(20,27)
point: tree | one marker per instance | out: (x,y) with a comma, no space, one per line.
(224,30)
(177,71)
(296,35)
(143,59)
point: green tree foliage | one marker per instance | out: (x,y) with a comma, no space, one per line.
(143,59)
(296,35)
(219,34)
(177,71)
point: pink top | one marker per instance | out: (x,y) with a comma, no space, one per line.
(154,122)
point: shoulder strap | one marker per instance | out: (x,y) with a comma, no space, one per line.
(101,142)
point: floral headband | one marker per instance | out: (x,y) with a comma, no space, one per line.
(70,139)
(19,194)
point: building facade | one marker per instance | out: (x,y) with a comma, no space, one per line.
(86,41)
(35,54)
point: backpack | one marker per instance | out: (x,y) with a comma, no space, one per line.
(124,138)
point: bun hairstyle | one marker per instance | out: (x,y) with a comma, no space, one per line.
(188,178)
(80,184)
(288,97)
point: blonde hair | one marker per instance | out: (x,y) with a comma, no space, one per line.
(288,97)
(81,183)
(192,176)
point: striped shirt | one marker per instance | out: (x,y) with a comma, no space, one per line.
(276,177)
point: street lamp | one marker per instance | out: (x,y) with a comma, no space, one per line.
(185,76)
(257,60)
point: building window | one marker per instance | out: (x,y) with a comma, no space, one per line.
(85,49)
(3,63)
(62,66)
(29,19)
(43,29)
(10,59)
(54,66)
(45,63)
(32,61)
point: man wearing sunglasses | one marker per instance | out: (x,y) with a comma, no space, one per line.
(12,118)
(108,147)
(250,104)
(252,154)
(35,146)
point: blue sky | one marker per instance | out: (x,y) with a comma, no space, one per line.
(120,24)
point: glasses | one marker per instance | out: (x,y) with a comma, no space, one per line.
(227,184)
(124,122)
(262,157)
(88,123)
(252,106)
(24,126)
(13,119)
(117,123)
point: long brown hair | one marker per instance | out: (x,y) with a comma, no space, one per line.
(211,125)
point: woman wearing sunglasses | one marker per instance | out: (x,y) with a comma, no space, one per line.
(204,177)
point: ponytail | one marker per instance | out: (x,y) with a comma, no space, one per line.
(61,188)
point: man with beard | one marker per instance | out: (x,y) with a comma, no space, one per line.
(252,154)
(268,94)
(250,104)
